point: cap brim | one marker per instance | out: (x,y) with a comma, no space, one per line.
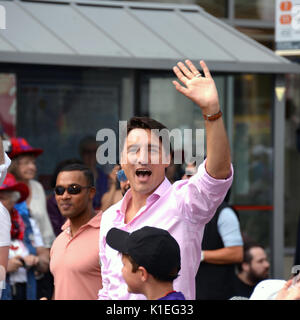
(117,239)
(36,152)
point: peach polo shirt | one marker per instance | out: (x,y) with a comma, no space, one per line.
(74,262)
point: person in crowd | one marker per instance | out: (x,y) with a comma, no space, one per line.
(182,208)
(26,252)
(114,194)
(24,168)
(87,149)
(222,249)
(151,261)
(124,182)
(5,222)
(253,269)
(74,256)
(56,218)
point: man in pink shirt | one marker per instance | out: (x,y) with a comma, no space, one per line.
(183,208)
(74,255)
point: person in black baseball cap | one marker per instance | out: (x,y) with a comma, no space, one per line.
(151,261)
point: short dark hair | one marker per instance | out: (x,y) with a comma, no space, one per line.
(83,168)
(169,278)
(150,124)
(61,165)
(247,256)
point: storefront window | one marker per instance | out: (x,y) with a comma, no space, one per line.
(57,110)
(292,160)
(253,153)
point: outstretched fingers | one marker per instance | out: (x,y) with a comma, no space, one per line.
(180,75)
(194,70)
(180,88)
(205,69)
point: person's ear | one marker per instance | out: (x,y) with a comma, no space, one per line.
(246,266)
(143,274)
(92,193)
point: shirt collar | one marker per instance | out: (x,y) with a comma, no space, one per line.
(157,193)
(94,222)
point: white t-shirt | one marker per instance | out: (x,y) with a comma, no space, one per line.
(5,222)
(17,248)
(5,225)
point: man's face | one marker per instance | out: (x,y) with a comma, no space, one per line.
(259,266)
(73,205)
(142,161)
(132,279)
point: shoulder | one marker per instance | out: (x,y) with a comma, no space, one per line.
(228,215)
(35,185)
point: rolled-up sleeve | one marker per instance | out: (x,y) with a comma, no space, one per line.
(199,197)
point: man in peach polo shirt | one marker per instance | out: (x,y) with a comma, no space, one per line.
(74,256)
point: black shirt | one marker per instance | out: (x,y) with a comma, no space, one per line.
(241,289)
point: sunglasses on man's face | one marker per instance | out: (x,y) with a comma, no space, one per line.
(72,189)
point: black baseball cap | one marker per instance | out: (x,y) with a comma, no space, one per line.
(152,248)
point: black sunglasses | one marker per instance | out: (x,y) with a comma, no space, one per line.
(72,189)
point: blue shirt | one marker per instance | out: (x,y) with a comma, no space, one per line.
(174,295)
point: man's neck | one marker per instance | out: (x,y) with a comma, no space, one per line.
(136,202)
(80,220)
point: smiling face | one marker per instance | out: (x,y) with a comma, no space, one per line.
(25,167)
(142,161)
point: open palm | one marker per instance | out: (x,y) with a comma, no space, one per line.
(201,90)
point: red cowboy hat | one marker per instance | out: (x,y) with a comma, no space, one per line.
(21,146)
(11,184)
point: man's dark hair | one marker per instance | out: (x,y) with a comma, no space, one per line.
(247,257)
(59,166)
(151,124)
(83,168)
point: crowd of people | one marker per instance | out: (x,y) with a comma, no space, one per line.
(158,236)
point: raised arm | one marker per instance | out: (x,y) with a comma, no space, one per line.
(201,89)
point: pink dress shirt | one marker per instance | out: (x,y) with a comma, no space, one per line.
(183,209)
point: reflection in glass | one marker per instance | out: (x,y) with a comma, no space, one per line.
(252,146)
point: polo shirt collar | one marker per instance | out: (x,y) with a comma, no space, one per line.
(94,222)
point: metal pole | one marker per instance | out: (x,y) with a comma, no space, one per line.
(277,234)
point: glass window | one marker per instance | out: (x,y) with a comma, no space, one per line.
(255,9)
(252,147)
(292,160)
(60,107)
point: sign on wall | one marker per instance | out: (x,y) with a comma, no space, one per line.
(287,26)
